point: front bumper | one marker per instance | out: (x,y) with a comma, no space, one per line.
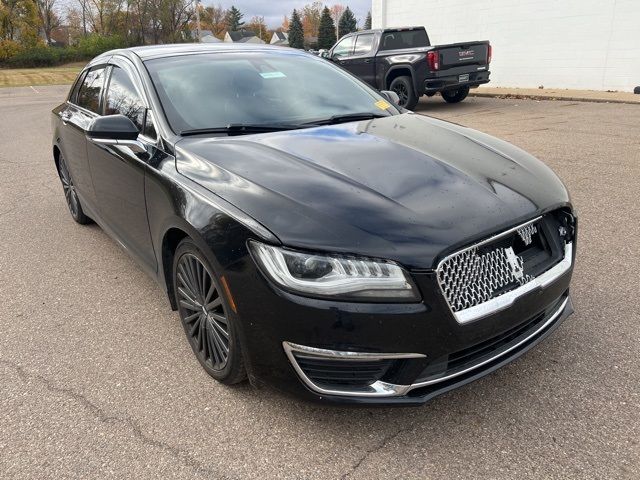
(426,334)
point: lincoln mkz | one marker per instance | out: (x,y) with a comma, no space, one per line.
(311,234)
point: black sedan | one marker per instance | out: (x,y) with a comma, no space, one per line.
(311,234)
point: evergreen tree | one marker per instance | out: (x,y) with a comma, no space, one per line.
(326,30)
(367,22)
(296,32)
(347,23)
(233,19)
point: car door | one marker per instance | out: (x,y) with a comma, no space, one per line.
(118,172)
(80,109)
(362,60)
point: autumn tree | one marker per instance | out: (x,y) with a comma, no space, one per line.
(48,17)
(347,23)
(296,32)
(233,20)
(336,12)
(19,21)
(258,26)
(367,21)
(311,19)
(326,30)
(213,18)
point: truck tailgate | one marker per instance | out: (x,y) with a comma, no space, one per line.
(460,54)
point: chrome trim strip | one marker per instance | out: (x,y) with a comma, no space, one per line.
(384,389)
(551,319)
(378,389)
(487,240)
(507,299)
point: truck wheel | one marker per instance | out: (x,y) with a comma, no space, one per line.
(403,86)
(455,96)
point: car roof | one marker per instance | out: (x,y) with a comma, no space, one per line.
(159,51)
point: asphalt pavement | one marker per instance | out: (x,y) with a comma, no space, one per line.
(98,381)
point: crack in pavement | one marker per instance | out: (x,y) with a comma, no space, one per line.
(106,418)
(372,451)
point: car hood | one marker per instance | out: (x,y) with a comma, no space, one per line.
(408,188)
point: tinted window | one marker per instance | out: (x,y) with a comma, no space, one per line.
(363,44)
(89,94)
(73,95)
(214,90)
(344,48)
(404,39)
(122,98)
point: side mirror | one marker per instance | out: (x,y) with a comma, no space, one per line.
(324,53)
(113,127)
(391,96)
(115,130)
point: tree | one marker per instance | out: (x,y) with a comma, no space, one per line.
(326,30)
(347,23)
(19,21)
(258,26)
(48,17)
(213,18)
(285,25)
(296,32)
(311,19)
(234,19)
(336,12)
(367,21)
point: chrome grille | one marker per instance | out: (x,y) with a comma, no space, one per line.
(472,277)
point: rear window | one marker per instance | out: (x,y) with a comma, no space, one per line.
(404,39)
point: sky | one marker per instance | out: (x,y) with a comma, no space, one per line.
(274,10)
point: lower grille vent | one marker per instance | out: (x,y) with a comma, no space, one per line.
(329,372)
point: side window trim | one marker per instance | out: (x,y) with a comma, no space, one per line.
(353,46)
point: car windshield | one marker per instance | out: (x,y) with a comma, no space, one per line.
(215,90)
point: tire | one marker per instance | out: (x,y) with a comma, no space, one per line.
(70,193)
(205,315)
(455,96)
(403,86)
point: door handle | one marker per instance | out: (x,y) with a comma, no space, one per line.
(367,60)
(65,117)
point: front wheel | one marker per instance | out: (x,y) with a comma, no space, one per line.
(205,315)
(403,86)
(70,193)
(455,96)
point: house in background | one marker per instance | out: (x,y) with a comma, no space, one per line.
(242,36)
(280,38)
(206,36)
(59,36)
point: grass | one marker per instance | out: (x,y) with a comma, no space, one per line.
(24,77)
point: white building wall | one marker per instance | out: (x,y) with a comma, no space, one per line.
(581,44)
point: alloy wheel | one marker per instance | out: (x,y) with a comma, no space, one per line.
(69,188)
(202,312)
(403,94)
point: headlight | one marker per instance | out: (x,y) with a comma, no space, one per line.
(335,276)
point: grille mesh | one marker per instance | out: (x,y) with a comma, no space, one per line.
(471,277)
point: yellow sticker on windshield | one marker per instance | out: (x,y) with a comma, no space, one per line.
(382,105)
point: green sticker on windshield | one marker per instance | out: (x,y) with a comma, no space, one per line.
(272,75)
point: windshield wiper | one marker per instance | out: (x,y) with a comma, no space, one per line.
(243,129)
(348,117)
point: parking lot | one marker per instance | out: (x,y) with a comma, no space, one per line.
(98,381)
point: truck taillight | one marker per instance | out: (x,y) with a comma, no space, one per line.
(433,60)
(489,54)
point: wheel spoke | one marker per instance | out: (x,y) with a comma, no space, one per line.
(218,317)
(186,280)
(214,304)
(220,329)
(188,301)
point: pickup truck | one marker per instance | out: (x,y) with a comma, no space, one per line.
(404,61)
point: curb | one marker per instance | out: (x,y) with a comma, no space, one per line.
(520,96)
